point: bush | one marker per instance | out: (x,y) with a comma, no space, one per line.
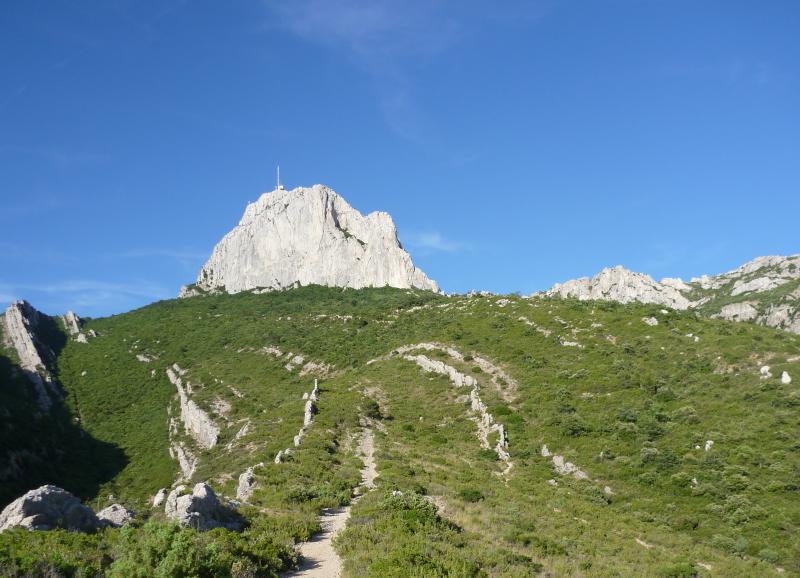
(371,409)
(470,495)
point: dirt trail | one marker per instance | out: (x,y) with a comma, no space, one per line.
(320,560)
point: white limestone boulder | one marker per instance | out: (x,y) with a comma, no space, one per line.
(200,509)
(115,516)
(47,508)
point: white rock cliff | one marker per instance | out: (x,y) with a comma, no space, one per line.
(622,285)
(309,236)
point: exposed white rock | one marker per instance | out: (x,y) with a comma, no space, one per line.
(709,444)
(72,322)
(308,414)
(676,283)
(159,498)
(247,483)
(309,236)
(200,510)
(186,460)
(197,423)
(47,508)
(751,279)
(755,285)
(622,285)
(484,420)
(115,516)
(651,321)
(786,379)
(765,373)
(565,468)
(744,311)
(21,325)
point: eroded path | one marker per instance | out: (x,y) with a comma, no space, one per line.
(320,560)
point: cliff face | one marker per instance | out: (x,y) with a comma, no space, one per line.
(21,326)
(309,236)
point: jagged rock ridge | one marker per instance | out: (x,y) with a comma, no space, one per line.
(622,285)
(765,290)
(309,236)
(21,331)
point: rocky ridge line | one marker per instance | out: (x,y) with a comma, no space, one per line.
(21,331)
(752,287)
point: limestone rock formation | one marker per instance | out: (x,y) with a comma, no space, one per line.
(22,323)
(47,508)
(765,290)
(197,423)
(115,516)
(200,509)
(622,285)
(247,483)
(159,498)
(72,322)
(309,236)
(744,311)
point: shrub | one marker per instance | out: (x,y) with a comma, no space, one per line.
(470,495)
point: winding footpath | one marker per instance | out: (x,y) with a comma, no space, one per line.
(320,560)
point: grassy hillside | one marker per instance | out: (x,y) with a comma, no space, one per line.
(631,404)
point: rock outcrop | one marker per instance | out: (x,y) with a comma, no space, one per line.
(621,285)
(765,290)
(309,411)
(197,423)
(200,509)
(22,323)
(72,323)
(247,483)
(308,236)
(115,516)
(487,426)
(47,508)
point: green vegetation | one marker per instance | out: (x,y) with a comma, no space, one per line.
(631,405)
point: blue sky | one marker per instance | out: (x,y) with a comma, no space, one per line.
(516,144)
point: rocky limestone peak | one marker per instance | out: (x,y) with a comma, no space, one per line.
(622,285)
(759,274)
(21,328)
(309,236)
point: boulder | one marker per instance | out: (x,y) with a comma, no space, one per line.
(159,498)
(247,483)
(47,508)
(115,516)
(200,509)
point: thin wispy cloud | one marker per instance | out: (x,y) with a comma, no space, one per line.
(86,296)
(165,253)
(61,158)
(432,242)
(392,39)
